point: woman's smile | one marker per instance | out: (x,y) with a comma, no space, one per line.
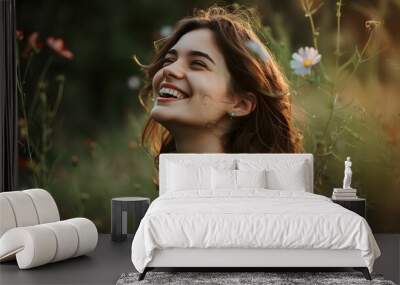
(161,99)
(170,93)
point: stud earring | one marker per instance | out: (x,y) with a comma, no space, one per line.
(232,114)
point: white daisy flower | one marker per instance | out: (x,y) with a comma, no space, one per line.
(133,82)
(165,31)
(257,49)
(304,59)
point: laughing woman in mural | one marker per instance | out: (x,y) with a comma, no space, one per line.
(213,87)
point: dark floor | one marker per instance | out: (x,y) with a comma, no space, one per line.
(388,263)
(102,266)
(111,259)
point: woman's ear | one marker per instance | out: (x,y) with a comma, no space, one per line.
(244,104)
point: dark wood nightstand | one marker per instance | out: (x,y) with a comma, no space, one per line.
(357,205)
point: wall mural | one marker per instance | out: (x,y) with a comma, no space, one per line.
(101,95)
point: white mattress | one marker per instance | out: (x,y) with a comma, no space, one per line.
(252,218)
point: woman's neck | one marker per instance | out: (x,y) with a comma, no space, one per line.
(198,141)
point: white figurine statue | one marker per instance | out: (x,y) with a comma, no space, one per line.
(347,174)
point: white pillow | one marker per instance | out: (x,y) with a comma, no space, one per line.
(181,177)
(190,174)
(288,179)
(251,178)
(223,179)
(236,179)
(281,175)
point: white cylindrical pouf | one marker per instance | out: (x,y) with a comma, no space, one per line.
(34,245)
(67,239)
(87,234)
(23,208)
(45,205)
(7,218)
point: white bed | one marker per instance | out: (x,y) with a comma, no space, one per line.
(247,210)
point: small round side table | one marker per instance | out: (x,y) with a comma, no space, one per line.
(121,209)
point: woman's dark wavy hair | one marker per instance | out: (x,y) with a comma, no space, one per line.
(269,127)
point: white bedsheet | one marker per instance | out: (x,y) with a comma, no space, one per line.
(251,218)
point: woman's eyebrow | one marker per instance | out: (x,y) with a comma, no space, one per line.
(193,53)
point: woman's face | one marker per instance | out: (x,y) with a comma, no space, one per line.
(196,67)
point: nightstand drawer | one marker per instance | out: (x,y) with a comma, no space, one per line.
(358,206)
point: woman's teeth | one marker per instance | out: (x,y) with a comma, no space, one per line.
(177,94)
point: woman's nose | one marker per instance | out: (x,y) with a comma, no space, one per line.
(173,70)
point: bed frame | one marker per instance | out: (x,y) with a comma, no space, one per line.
(246,259)
(242,259)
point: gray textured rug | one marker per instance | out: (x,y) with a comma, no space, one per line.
(230,278)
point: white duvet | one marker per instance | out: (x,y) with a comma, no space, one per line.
(251,218)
